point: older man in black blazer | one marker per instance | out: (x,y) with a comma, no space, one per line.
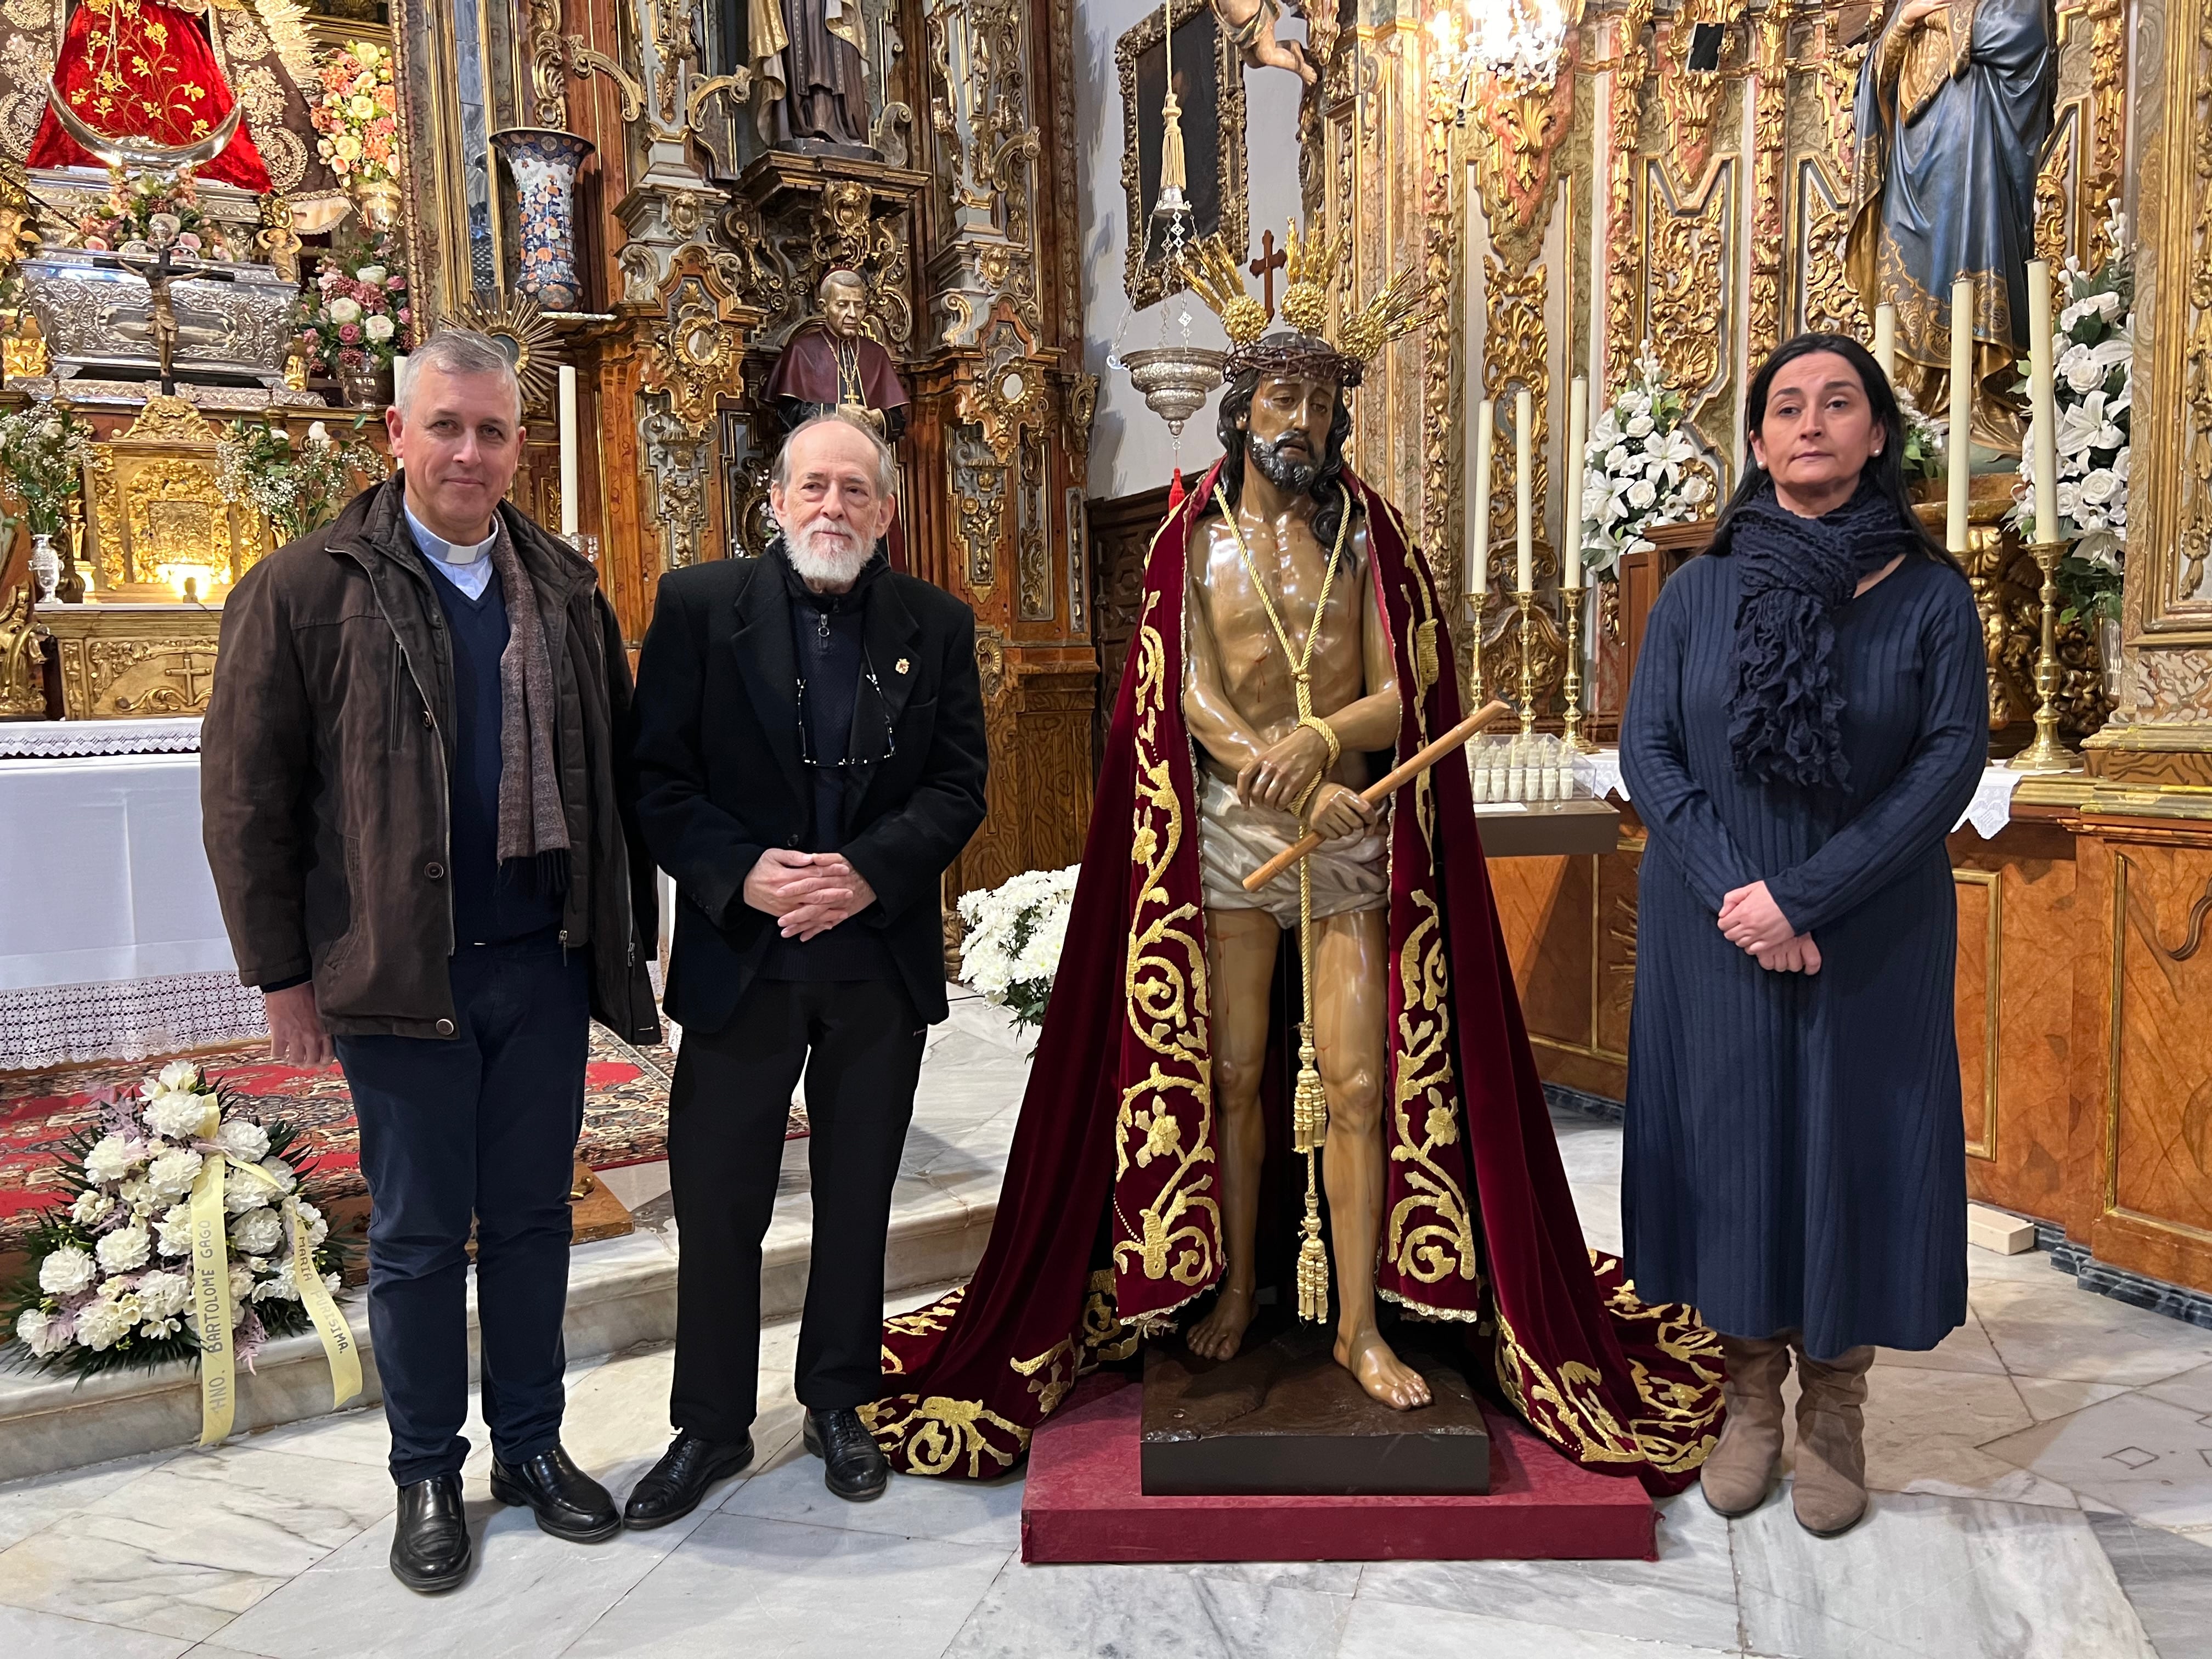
(811,758)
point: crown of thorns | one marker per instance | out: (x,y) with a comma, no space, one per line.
(1307,347)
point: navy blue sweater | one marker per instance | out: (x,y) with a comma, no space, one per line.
(492,905)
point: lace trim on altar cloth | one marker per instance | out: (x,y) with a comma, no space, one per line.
(1989,811)
(125,1019)
(66,739)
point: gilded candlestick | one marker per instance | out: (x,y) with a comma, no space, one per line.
(1525,598)
(1571,735)
(2047,753)
(1474,603)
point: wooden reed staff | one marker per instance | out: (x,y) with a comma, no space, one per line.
(1383,788)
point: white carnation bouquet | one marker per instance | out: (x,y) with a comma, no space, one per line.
(1640,468)
(2093,380)
(110,1280)
(1015,932)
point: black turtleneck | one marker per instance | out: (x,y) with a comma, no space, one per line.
(827,644)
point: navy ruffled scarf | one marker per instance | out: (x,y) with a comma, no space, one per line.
(1785,711)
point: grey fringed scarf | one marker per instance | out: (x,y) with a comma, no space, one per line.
(532,824)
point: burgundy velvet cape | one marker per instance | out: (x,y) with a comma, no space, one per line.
(1108,1222)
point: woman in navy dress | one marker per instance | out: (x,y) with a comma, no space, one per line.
(1808,720)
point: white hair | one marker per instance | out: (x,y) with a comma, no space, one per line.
(460,351)
(886,462)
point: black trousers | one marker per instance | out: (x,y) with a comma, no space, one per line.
(860,1043)
(481,1127)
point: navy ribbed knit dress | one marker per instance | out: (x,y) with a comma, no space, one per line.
(1794,1156)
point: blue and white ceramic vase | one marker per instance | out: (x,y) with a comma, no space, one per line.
(544,164)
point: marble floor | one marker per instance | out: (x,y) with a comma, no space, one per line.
(2044,1484)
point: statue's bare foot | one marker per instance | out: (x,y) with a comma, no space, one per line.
(1221,1333)
(1381,1372)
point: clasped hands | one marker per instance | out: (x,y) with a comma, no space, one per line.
(1281,773)
(1753,920)
(807,893)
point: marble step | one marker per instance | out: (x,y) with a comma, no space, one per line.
(620,1293)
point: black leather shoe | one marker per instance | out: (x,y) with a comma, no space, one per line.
(568,1503)
(854,1469)
(672,1489)
(430,1549)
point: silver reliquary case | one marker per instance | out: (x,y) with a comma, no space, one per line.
(238,322)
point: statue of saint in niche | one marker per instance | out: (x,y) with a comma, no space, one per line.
(810,75)
(831,363)
(1953,105)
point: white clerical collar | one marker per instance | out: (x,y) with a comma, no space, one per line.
(437,547)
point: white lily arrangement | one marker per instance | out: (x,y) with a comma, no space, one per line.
(1015,932)
(109,1279)
(1640,470)
(2094,348)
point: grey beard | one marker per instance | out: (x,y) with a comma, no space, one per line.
(820,558)
(1297,476)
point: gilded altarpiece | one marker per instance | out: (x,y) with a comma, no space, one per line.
(1692,191)
(710,246)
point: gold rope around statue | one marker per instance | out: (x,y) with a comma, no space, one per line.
(1309,1102)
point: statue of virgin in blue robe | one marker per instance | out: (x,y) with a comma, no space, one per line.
(1954,108)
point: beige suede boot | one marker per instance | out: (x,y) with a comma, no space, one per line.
(1831,1494)
(1740,1470)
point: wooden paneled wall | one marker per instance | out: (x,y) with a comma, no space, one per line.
(2084,1005)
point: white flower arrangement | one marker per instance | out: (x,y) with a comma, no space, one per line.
(1015,932)
(108,1283)
(1640,470)
(1926,438)
(2094,383)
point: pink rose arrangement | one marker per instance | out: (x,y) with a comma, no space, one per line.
(358,114)
(361,317)
(135,202)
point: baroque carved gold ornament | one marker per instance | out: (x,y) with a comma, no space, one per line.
(696,351)
(514,322)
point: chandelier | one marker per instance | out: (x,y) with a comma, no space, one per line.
(1519,42)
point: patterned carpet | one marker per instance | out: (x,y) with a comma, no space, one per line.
(625,1116)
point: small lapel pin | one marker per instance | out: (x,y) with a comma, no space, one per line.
(899,667)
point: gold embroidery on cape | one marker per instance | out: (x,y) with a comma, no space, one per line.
(1675,1432)
(1432,1232)
(1165,991)
(1431,1237)
(1052,1386)
(931,1436)
(921,1322)
(1105,1336)
(1568,1411)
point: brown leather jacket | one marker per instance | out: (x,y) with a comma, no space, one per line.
(324,771)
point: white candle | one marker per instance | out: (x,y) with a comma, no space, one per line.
(398,376)
(1478,564)
(1884,338)
(570,489)
(1959,454)
(1524,498)
(1577,440)
(2042,401)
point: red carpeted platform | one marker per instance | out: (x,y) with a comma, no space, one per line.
(1083,1503)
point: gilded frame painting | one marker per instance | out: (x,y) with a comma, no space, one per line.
(1209,85)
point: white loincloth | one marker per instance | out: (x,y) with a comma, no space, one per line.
(1234,840)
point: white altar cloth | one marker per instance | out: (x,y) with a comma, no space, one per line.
(112,943)
(1989,811)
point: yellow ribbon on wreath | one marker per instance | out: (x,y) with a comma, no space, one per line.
(211,1292)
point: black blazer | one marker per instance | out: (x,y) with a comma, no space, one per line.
(720,777)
